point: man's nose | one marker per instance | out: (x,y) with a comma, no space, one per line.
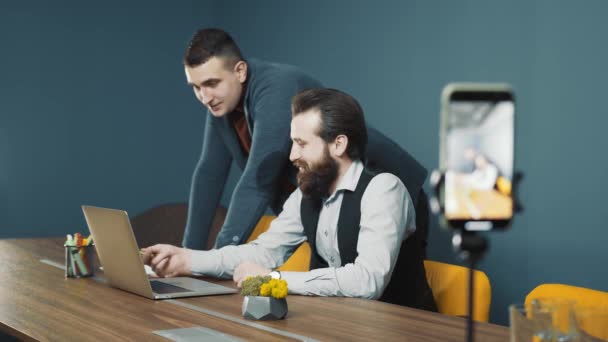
(294,154)
(204,97)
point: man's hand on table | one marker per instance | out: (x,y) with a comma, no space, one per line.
(247,269)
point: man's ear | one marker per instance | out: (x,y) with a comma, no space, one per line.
(339,146)
(240,68)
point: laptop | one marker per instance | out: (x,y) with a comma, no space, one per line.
(123,267)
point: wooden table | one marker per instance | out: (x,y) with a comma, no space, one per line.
(38,303)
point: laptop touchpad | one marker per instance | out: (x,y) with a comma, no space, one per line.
(163,288)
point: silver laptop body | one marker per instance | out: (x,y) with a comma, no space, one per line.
(122,264)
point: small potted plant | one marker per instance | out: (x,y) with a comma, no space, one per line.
(264,298)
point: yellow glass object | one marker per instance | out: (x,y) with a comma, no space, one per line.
(590,310)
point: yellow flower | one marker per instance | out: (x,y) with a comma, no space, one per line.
(276,288)
(279,292)
(265,290)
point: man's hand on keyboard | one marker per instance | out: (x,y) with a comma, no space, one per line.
(168,261)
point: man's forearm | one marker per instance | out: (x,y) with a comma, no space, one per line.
(349,281)
(208,181)
(204,199)
(221,262)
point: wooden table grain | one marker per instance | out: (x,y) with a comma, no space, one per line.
(37,303)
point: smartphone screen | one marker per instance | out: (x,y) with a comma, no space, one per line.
(479,145)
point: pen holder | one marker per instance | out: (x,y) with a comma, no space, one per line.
(79,261)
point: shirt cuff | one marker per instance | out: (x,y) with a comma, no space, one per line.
(201,263)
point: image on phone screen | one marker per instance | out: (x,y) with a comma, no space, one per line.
(479,156)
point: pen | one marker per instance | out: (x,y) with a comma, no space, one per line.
(79,262)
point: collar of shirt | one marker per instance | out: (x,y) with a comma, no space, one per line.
(349,180)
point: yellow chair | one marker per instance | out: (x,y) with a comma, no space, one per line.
(449,284)
(583,297)
(299,261)
(504,185)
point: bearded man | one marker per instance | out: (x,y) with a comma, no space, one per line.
(359,224)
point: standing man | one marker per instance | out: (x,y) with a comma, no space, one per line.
(248,123)
(355,221)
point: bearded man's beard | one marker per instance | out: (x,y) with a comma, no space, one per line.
(315,180)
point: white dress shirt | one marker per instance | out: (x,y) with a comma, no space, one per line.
(387,218)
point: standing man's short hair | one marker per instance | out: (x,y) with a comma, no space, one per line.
(340,114)
(211,42)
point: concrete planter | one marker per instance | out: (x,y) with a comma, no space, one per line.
(264,308)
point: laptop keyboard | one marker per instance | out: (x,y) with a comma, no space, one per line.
(163,288)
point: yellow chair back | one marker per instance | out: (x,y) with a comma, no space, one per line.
(450,284)
(299,261)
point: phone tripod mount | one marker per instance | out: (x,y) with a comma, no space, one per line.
(469,245)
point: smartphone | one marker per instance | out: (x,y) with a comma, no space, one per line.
(477,155)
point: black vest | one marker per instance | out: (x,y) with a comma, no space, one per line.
(408,285)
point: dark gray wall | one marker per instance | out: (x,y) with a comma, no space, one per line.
(395,56)
(94,107)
